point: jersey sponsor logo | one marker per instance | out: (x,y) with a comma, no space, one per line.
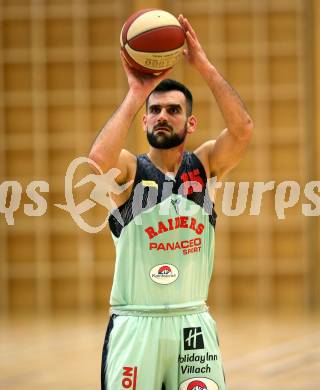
(164,270)
(187,246)
(129,378)
(199,384)
(181,222)
(175,203)
(192,338)
(164,274)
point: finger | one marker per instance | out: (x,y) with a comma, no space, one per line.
(165,74)
(189,28)
(182,22)
(125,63)
(190,39)
(123,58)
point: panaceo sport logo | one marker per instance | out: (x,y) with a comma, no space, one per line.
(129,378)
(164,273)
(199,384)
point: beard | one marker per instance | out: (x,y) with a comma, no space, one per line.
(165,140)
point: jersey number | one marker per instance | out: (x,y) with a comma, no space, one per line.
(192,181)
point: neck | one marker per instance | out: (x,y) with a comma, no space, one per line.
(167,160)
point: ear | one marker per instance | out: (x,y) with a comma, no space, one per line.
(144,122)
(191,124)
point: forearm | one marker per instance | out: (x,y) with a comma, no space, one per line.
(110,141)
(229,102)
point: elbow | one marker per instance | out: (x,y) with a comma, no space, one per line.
(248,128)
(246,131)
(242,130)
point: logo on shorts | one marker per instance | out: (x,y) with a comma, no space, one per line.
(164,274)
(129,378)
(199,384)
(192,338)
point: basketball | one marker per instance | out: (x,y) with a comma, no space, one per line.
(152,40)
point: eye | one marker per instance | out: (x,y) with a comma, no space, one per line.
(173,110)
(154,109)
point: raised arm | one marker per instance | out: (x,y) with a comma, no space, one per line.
(107,150)
(226,151)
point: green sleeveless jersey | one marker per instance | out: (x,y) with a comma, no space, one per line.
(164,239)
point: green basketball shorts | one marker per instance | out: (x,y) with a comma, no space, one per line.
(177,352)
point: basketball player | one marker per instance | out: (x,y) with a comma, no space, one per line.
(160,334)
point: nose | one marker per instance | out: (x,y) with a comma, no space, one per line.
(162,116)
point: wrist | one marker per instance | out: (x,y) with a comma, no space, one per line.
(210,74)
(135,99)
(205,67)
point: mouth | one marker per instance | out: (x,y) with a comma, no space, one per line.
(163,129)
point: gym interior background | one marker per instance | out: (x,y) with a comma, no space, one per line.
(61,79)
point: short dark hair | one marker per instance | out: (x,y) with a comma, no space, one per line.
(173,85)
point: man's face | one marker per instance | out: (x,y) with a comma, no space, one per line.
(166,119)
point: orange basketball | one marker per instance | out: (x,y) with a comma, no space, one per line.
(152,40)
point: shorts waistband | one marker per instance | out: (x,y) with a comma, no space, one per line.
(163,312)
